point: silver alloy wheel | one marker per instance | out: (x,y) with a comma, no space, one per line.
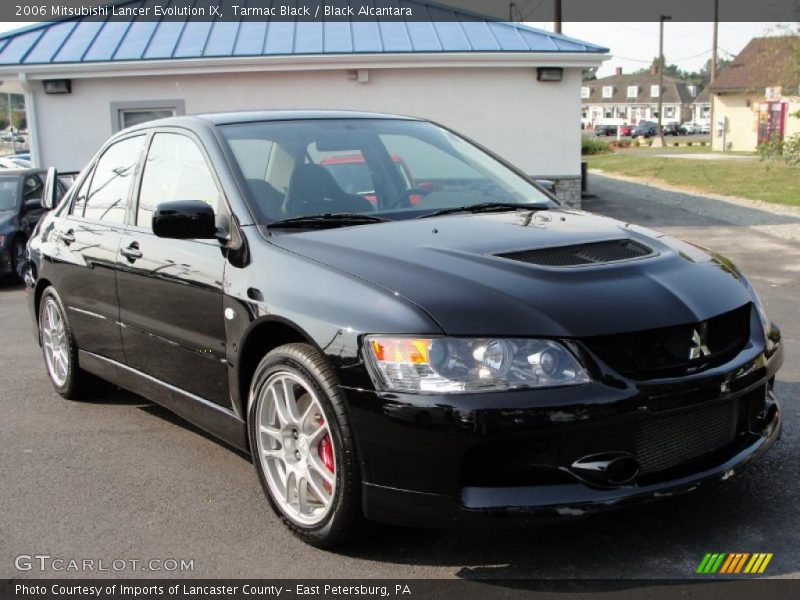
(295,447)
(54,342)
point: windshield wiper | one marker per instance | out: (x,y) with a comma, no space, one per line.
(482,207)
(326,219)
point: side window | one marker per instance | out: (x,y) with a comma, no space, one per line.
(32,187)
(175,169)
(79,203)
(107,199)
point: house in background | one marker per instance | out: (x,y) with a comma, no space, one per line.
(701,108)
(755,97)
(631,98)
(510,87)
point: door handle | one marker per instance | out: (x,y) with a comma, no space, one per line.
(68,237)
(131,252)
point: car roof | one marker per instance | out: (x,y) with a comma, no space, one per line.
(250,116)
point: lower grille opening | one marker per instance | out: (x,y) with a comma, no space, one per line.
(664,442)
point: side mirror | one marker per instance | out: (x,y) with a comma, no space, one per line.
(184,220)
(50,190)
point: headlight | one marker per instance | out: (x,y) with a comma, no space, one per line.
(762,314)
(408,364)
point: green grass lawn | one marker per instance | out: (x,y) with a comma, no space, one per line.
(768,180)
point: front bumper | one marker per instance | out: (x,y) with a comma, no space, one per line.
(440,461)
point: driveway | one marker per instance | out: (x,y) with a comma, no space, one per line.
(120,478)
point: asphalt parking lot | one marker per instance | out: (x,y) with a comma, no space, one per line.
(120,478)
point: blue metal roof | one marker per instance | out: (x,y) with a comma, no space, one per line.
(79,40)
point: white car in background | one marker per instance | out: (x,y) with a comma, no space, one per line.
(691,128)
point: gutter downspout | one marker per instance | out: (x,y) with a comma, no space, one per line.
(30,114)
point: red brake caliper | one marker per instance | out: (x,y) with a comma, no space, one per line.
(326,454)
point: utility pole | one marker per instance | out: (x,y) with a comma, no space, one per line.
(511,7)
(557,16)
(661,20)
(713,70)
(714,41)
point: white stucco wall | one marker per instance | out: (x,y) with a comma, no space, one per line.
(533,124)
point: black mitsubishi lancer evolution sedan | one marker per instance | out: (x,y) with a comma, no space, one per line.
(426,338)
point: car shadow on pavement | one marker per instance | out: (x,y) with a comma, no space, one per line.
(665,539)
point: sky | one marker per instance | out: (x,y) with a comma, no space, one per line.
(633,45)
(688,45)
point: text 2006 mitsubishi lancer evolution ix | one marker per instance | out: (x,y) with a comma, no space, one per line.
(415,333)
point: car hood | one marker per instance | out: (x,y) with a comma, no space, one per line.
(448,266)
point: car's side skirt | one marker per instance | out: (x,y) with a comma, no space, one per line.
(210,417)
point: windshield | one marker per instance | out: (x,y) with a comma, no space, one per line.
(8,193)
(394,169)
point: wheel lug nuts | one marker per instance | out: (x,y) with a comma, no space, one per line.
(294,434)
(297,454)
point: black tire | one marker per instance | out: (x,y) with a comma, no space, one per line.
(19,258)
(345,521)
(77,382)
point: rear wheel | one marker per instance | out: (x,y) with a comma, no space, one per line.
(302,446)
(59,348)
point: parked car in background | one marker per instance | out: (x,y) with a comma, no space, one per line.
(20,210)
(705,128)
(481,356)
(674,128)
(690,128)
(645,129)
(14,162)
(625,129)
(605,129)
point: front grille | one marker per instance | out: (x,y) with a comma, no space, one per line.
(667,350)
(668,441)
(582,254)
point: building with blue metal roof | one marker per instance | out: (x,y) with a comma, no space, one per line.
(513,88)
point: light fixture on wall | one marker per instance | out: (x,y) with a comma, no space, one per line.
(57,86)
(549,73)
(359,75)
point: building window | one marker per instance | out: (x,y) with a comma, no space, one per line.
(654,92)
(669,111)
(584,113)
(585,91)
(633,91)
(128,114)
(692,89)
(608,91)
(622,112)
(608,113)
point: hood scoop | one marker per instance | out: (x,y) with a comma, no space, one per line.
(592,253)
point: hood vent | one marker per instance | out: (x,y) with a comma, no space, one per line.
(582,254)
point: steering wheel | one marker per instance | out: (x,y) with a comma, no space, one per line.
(403,199)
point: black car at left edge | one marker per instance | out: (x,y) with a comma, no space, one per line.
(398,325)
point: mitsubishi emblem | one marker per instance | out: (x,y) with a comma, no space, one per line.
(699,348)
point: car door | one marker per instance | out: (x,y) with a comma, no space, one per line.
(32,209)
(170,291)
(88,237)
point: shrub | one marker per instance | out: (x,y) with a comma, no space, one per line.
(771,149)
(593,146)
(791,150)
(676,144)
(702,143)
(688,143)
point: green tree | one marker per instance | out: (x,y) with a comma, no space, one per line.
(19,120)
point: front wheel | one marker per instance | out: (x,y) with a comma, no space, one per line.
(59,348)
(302,446)
(19,258)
